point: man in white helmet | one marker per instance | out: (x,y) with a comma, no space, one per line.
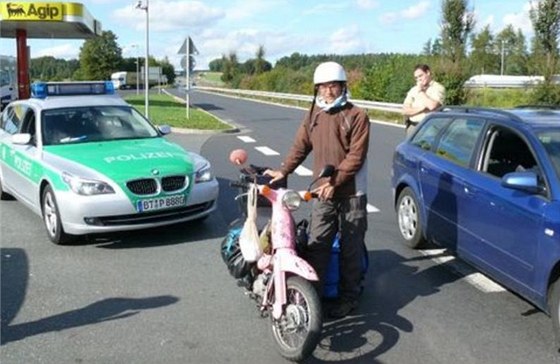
(338,134)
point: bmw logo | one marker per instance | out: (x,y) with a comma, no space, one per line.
(155,172)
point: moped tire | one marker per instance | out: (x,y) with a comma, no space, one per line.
(298,330)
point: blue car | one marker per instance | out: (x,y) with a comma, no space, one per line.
(485,183)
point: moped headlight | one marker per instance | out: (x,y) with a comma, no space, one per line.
(86,187)
(291,200)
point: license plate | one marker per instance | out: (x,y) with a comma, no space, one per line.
(160,203)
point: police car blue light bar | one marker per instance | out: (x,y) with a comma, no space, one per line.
(43,89)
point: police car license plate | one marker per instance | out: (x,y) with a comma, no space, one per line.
(160,203)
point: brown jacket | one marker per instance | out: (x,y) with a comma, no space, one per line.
(340,138)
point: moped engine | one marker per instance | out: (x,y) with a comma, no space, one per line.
(260,283)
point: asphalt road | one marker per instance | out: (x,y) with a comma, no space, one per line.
(164,295)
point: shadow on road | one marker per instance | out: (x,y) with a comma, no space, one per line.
(104,310)
(377,325)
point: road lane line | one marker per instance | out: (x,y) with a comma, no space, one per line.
(246,139)
(267,151)
(302,171)
(371,209)
(470,275)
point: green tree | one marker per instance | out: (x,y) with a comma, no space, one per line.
(514,47)
(230,67)
(483,57)
(100,56)
(456,25)
(545,17)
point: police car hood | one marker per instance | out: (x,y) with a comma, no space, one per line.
(121,160)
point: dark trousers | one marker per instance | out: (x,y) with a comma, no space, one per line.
(349,217)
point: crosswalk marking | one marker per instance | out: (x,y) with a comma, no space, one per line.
(302,171)
(267,151)
(246,139)
(476,279)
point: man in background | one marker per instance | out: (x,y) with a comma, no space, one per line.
(426,96)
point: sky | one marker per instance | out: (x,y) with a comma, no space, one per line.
(219,27)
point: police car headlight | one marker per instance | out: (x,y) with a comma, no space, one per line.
(291,200)
(204,174)
(86,187)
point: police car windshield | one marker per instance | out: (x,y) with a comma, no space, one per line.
(94,124)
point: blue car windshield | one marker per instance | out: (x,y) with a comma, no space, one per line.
(551,142)
(94,124)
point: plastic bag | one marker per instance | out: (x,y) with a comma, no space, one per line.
(249,240)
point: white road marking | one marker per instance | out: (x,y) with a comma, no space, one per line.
(246,139)
(370,209)
(302,171)
(267,151)
(474,278)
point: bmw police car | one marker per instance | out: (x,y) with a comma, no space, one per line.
(86,161)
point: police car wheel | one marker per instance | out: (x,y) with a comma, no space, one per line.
(51,218)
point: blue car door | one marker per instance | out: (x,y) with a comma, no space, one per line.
(501,226)
(443,175)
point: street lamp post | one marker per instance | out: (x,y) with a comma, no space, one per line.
(502,61)
(137,69)
(140,5)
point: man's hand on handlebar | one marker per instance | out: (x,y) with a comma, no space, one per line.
(324,191)
(275,174)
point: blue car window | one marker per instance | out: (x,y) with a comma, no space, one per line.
(551,142)
(429,130)
(459,140)
(507,152)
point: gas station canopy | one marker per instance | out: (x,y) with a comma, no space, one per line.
(47,20)
(23,20)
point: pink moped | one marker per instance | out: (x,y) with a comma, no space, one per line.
(281,281)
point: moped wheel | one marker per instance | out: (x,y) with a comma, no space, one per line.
(298,330)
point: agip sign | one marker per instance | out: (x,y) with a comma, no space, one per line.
(31,11)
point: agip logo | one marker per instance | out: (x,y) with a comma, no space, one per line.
(31,11)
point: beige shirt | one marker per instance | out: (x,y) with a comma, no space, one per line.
(435,91)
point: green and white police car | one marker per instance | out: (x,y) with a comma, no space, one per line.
(87,162)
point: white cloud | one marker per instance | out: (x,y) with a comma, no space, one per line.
(244,9)
(346,40)
(169,16)
(416,11)
(520,20)
(66,51)
(412,12)
(325,8)
(367,4)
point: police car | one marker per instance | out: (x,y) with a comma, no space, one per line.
(87,162)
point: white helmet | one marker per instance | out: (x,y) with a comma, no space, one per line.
(328,72)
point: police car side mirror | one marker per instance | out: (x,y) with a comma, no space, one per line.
(164,129)
(21,138)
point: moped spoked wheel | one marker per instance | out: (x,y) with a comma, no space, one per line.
(298,330)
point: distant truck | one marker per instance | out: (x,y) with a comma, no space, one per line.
(127,80)
(8,80)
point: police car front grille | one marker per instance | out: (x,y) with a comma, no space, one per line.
(147,186)
(172,183)
(150,217)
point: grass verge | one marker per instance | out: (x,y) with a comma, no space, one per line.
(165,109)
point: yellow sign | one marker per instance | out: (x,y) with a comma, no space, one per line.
(31,11)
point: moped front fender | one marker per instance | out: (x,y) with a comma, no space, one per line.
(294,264)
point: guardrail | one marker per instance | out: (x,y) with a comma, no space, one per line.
(373,105)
